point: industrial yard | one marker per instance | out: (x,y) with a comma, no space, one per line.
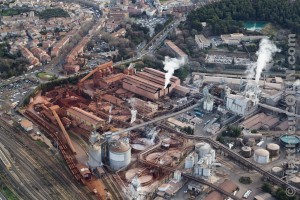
(149,100)
(104,129)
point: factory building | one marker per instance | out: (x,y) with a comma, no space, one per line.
(260,121)
(174,48)
(241,105)
(145,107)
(236,38)
(227,186)
(202,41)
(149,83)
(85,117)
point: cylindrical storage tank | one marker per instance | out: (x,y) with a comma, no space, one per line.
(119,154)
(246,151)
(206,172)
(277,171)
(213,155)
(95,156)
(202,148)
(261,156)
(209,158)
(189,162)
(198,170)
(295,181)
(273,149)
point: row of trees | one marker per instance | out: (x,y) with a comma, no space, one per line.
(226,16)
(53,12)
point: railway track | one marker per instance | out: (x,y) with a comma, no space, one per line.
(51,172)
(108,180)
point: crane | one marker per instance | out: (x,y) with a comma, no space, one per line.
(65,134)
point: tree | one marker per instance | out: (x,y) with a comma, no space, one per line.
(267,187)
(245,180)
(188,130)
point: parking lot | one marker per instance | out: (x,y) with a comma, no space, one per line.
(15,91)
(151,23)
(222,59)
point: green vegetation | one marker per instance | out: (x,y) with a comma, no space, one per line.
(227,16)
(11,64)
(254,131)
(137,33)
(188,130)
(13,11)
(267,187)
(53,12)
(232,131)
(46,76)
(281,195)
(8,193)
(245,180)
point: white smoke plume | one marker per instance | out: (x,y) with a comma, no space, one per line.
(265,53)
(170,65)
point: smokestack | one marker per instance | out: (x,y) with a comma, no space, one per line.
(168,86)
(170,65)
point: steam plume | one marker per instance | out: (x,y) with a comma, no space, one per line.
(170,65)
(265,53)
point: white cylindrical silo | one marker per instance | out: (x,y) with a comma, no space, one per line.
(95,156)
(119,154)
(261,156)
(213,155)
(206,172)
(189,162)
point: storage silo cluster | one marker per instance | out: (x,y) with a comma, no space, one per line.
(206,156)
(95,153)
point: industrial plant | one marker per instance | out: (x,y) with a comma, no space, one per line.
(121,132)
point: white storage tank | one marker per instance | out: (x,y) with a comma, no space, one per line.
(277,171)
(295,181)
(202,148)
(213,155)
(198,170)
(119,154)
(261,156)
(206,172)
(273,149)
(189,162)
(95,156)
